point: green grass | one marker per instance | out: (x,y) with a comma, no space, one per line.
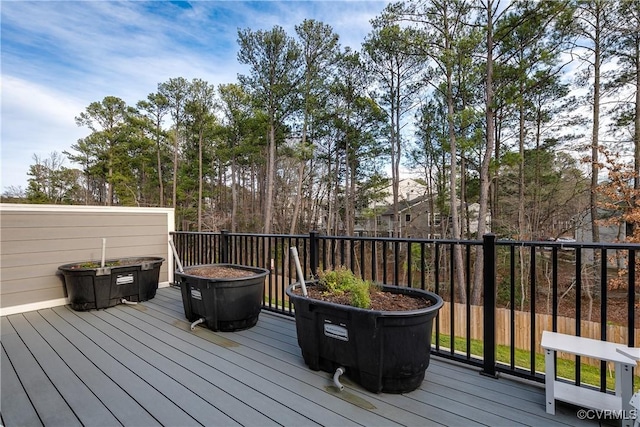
(277,303)
(565,368)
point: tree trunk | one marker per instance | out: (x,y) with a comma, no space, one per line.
(455,221)
(394,139)
(110,182)
(636,133)
(298,198)
(200,181)
(234,195)
(595,168)
(463,216)
(301,167)
(349,185)
(453,201)
(636,137)
(160,183)
(485,182)
(521,213)
(175,168)
(271,173)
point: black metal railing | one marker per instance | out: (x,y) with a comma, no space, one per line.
(526,287)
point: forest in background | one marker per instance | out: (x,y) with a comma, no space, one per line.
(521,107)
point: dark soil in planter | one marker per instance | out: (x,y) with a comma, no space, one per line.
(110,263)
(227,297)
(381,301)
(220,272)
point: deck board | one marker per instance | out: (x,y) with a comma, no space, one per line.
(112,396)
(14,396)
(129,346)
(283,381)
(142,365)
(47,401)
(287,365)
(108,380)
(114,361)
(208,375)
(85,405)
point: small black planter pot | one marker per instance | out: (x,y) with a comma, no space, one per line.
(134,279)
(383,351)
(225,304)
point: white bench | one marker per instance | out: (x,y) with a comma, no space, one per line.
(582,396)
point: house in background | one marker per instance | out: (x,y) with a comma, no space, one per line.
(377,219)
(609,231)
(414,220)
(418,216)
(408,189)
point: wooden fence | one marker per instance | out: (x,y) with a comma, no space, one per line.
(522,324)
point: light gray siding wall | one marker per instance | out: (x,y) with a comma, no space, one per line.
(36,239)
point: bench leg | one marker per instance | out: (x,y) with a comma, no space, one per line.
(624,389)
(549,379)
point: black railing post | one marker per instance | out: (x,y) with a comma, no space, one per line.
(314,252)
(224,247)
(489,305)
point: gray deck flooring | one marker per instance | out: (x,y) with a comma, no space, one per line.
(142,366)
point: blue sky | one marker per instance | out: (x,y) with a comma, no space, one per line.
(59,56)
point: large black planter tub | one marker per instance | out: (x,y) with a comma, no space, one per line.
(224,297)
(383,351)
(90,286)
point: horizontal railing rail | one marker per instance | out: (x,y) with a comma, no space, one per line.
(570,287)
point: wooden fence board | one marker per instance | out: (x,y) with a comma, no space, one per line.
(522,327)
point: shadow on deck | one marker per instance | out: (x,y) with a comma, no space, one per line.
(141,366)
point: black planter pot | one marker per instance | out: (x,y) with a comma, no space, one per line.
(383,351)
(225,304)
(133,279)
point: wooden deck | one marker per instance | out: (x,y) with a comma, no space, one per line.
(142,366)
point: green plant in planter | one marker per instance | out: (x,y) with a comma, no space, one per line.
(340,280)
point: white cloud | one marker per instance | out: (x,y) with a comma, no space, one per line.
(35,120)
(58,57)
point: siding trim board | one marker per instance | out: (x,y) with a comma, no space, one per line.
(36,239)
(23,308)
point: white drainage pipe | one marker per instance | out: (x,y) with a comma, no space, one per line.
(296,259)
(336,378)
(175,254)
(124,301)
(104,251)
(197,322)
